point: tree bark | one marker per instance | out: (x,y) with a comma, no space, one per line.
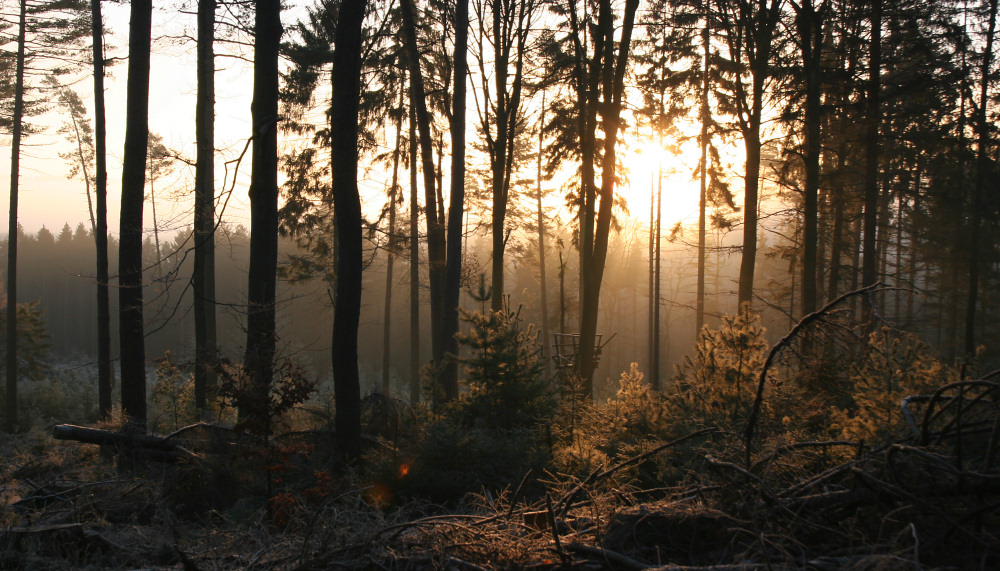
(613,73)
(456,207)
(414,262)
(104,369)
(130,301)
(391,251)
(436,254)
(873,111)
(12,228)
(347,204)
(263,192)
(203,278)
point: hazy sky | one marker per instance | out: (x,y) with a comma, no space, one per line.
(48,198)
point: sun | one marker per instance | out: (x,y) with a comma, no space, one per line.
(651,167)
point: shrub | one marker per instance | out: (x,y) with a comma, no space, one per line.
(32,341)
(716,386)
(173,396)
(65,394)
(895,365)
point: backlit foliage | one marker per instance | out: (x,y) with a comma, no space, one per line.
(716,385)
(636,417)
(894,366)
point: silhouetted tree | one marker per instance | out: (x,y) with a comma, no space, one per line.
(130,301)
(263,193)
(347,204)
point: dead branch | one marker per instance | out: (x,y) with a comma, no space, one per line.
(930,414)
(615,559)
(737,567)
(798,445)
(772,355)
(569,496)
(898,492)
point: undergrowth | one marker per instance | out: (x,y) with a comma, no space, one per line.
(648,476)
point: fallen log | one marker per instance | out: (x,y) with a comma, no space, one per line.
(156,448)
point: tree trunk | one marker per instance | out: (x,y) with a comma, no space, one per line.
(654,368)
(873,111)
(498,157)
(613,72)
(104,368)
(12,228)
(586,83)
(982,180)
(456,207)
(259,357)
(562,293)
(546,335)
(436,254)
(130,330)
(391,251)
(810,28)
(651,306)
(752,186)
(699,320)
(203,278)
(347,204)
(751,30)
(414,263)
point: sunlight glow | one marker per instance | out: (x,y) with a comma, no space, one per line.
(644,158)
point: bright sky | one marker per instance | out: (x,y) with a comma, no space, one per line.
(48,198)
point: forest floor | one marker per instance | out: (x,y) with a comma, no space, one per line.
(909,505)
